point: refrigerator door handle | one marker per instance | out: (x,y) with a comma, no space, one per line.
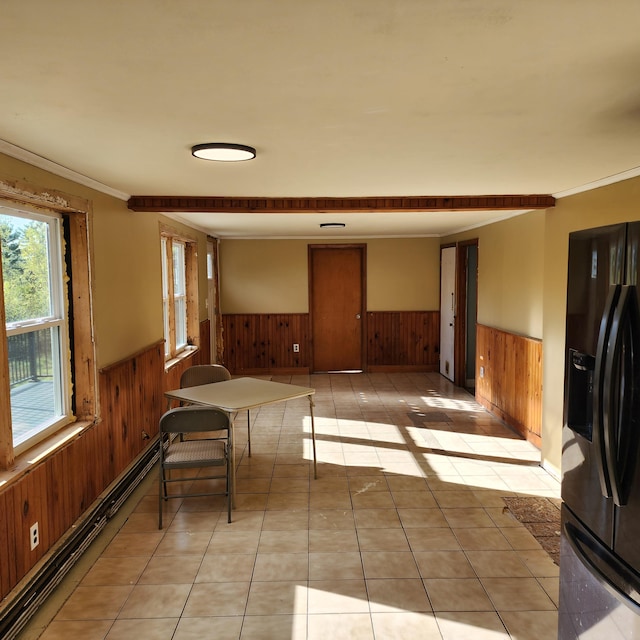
(620,398)
(602,564)
(598,391)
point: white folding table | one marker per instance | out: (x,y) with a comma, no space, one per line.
(244,394)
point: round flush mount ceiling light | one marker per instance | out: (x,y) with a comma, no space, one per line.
(223,152)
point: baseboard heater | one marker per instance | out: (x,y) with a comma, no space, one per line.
(21,607)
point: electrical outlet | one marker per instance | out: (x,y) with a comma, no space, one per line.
(34,536)
(296,348)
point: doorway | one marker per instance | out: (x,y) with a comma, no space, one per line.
(337,305)
(467,302)
(447,311)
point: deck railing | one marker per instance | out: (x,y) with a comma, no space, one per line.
(29,357)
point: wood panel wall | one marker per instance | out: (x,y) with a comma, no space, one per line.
(56,491)
(403,340)
(263,343)
(509,379)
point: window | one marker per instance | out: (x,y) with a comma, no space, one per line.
(35,301)
(179,295)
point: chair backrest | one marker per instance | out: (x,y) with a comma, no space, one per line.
(193,418)
(203,374)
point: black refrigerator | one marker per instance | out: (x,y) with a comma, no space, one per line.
(600,543)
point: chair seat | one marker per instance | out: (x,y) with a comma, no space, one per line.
(195,452)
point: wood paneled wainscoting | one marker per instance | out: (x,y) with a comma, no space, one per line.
(263,343)
(403,340)
(509,379)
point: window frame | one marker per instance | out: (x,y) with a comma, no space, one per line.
(174,351)
(57,319)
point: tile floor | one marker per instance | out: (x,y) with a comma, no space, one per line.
(403,535)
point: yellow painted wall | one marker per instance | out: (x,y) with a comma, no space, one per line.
(510,273)
(271,276)
(125,263)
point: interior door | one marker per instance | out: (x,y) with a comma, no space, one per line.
(337,305)
(447,311)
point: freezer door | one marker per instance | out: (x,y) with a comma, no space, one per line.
(622,433)
(595,271)
(599,595)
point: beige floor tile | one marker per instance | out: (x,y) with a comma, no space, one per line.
(220,628)
(77,630)
(287,501)
(221,567)
(193,521)
(337,596)
(397,595)
(418,509)
(457,594)
(551,587)
(189,543)
(498,564)
(331,519)
(539,563)
(333,540)
(115,571)
(330,500)
(372,500)
(472,625)
(456,499)
(443,564)
(133,544)
(296,541)
(517,594)
(432,539)
(345,626)
(389,564)
(390,626)
(482,539)
(233,541)
(421,518)
(281,566)
(271,598)
(280,627)
(159,629)
(335,566)
(467,518)
(156,601)
(96,602)
(171,570)
(217,599)
(286,520)
(383,540)
(531,625)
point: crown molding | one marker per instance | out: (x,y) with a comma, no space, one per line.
(52,167)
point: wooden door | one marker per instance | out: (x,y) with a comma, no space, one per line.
(447,311)
(337,306)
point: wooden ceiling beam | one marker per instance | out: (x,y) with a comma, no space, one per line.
(222,204)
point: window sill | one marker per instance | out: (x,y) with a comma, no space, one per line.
(183,355)
(26,461)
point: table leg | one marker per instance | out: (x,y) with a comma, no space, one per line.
(232,440)
(313,439)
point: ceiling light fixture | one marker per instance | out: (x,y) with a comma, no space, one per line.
(223,152)
(332,225)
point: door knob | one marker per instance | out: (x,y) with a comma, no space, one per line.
(357,316)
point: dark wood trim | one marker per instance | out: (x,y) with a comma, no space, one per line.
(461,315)
(222,204)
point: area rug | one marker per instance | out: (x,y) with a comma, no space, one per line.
(541,516)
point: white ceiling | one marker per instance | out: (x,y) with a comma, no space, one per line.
(340,98)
